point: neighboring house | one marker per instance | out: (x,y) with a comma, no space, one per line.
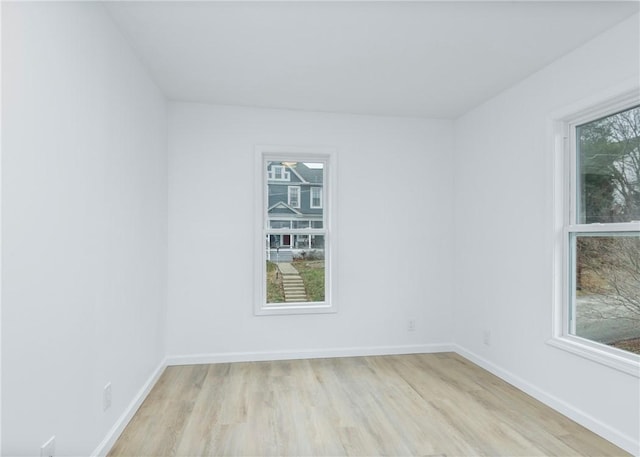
(295,202)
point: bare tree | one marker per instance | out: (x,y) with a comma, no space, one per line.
(609,159)
(611,272)
(608,267)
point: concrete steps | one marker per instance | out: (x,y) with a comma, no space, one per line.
(292,284)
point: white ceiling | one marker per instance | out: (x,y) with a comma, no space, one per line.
(425,59)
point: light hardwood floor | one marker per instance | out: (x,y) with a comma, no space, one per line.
(419,405)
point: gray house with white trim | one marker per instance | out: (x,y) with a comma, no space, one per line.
(295,201)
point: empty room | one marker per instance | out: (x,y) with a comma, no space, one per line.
(305,228)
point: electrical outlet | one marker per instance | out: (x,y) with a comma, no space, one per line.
(106,397)
(486,337)
(412,325)
(48,449)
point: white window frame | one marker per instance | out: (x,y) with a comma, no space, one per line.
(284,173)
(311,205)
(296,190)
(264,155)
(563,126)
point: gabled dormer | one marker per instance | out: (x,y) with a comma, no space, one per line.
(278,172)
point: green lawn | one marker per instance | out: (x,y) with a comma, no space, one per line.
(312,273)
(275,292)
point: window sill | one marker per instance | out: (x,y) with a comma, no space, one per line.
(611,357)
(297,308)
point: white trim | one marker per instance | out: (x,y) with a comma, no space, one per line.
(293,231)
(114,433)
(600,353)
(294,218)
(1,250)
(284,216)
(289,308)
(286,176)
(607,100)
(265,154)
(603,229)
(297,190)
(563,144)
(311,205)
(259,356)
(560,219)
(598,427)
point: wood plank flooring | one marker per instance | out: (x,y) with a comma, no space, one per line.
(418,405)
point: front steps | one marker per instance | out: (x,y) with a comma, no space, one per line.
(292,283)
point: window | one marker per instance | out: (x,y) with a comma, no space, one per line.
(294,196)
(276,224)
(316,197)
(278,173)
(294,250)
(598,249)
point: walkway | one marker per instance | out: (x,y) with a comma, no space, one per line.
(292,283)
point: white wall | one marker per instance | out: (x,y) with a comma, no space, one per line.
(84,225)
(394,232)
(84,234)
(504,239)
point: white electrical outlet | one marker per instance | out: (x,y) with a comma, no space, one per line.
(106,397)
(486,337)
(48,449)
(412,325)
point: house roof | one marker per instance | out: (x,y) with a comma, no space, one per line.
(283,208)
(310,175)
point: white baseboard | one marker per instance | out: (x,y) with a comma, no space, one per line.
(110,439)
(616,437)
(223,357)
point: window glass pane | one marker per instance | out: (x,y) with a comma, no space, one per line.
(295,262)
(299,198)
(608,161)
(606,270)
(294,197)
(316,197)
(295,268)
(275,224)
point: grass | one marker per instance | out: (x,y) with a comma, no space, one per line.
(275,291)
(312,273)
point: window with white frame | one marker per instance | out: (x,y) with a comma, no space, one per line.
(316,197)
(294,260)
(600,234)
(278,173)
(294,196)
